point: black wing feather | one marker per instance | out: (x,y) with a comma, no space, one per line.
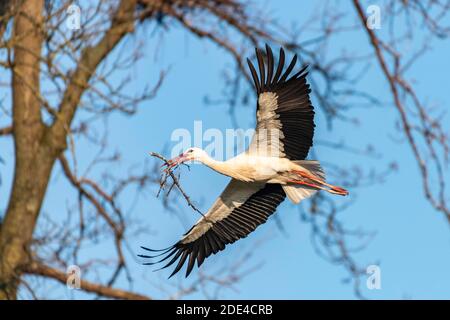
(269,65)
(238,224)
(289,69)
(262,73)
(280,66)
(254,75)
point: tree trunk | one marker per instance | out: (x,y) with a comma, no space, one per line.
(34,161)
(37,146)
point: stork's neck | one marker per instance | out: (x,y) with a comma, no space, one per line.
(213,164)
(223,167)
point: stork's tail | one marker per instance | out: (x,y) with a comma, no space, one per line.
(304,183)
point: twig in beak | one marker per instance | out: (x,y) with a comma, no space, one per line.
(168,172)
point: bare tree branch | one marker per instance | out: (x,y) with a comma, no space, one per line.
(6,131)
(42,270)
(122,24)
(432,131)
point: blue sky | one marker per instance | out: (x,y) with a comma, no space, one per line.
(412,241)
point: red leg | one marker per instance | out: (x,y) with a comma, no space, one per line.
(305,183)
(332,189)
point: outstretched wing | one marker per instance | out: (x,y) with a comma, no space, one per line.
(285,115)
(239,210)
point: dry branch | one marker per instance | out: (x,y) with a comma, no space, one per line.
(429,129)
(42,270)
(175,182)
(6,131)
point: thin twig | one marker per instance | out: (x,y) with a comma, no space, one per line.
(176,182)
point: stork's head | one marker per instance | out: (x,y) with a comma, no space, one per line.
(194,154)
(188,155)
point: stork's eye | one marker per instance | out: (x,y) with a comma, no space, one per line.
(190,151)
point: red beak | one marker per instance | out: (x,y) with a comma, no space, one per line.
(174,162)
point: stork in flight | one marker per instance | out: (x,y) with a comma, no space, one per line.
(272,168)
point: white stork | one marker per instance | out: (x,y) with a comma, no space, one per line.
(272,168)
